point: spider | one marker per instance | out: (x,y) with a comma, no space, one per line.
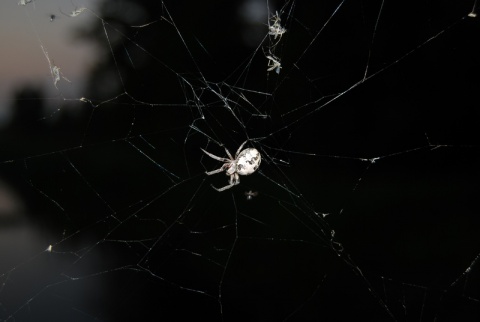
(273,63)
(245,162)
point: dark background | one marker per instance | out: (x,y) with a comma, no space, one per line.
(367,205)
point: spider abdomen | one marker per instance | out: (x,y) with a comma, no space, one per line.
(248,161)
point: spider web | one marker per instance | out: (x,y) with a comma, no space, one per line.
(365,204)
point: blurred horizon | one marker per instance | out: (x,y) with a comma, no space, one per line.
(25,29)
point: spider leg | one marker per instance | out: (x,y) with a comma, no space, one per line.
(234,180)
(224,188)
(229,155)
(240,149)
(209,173)
(215,157)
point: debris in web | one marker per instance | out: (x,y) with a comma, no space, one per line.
(57,75)
(24,2)
(75,12)
(473,13)
(274,64)
(276,29)
(250,194)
